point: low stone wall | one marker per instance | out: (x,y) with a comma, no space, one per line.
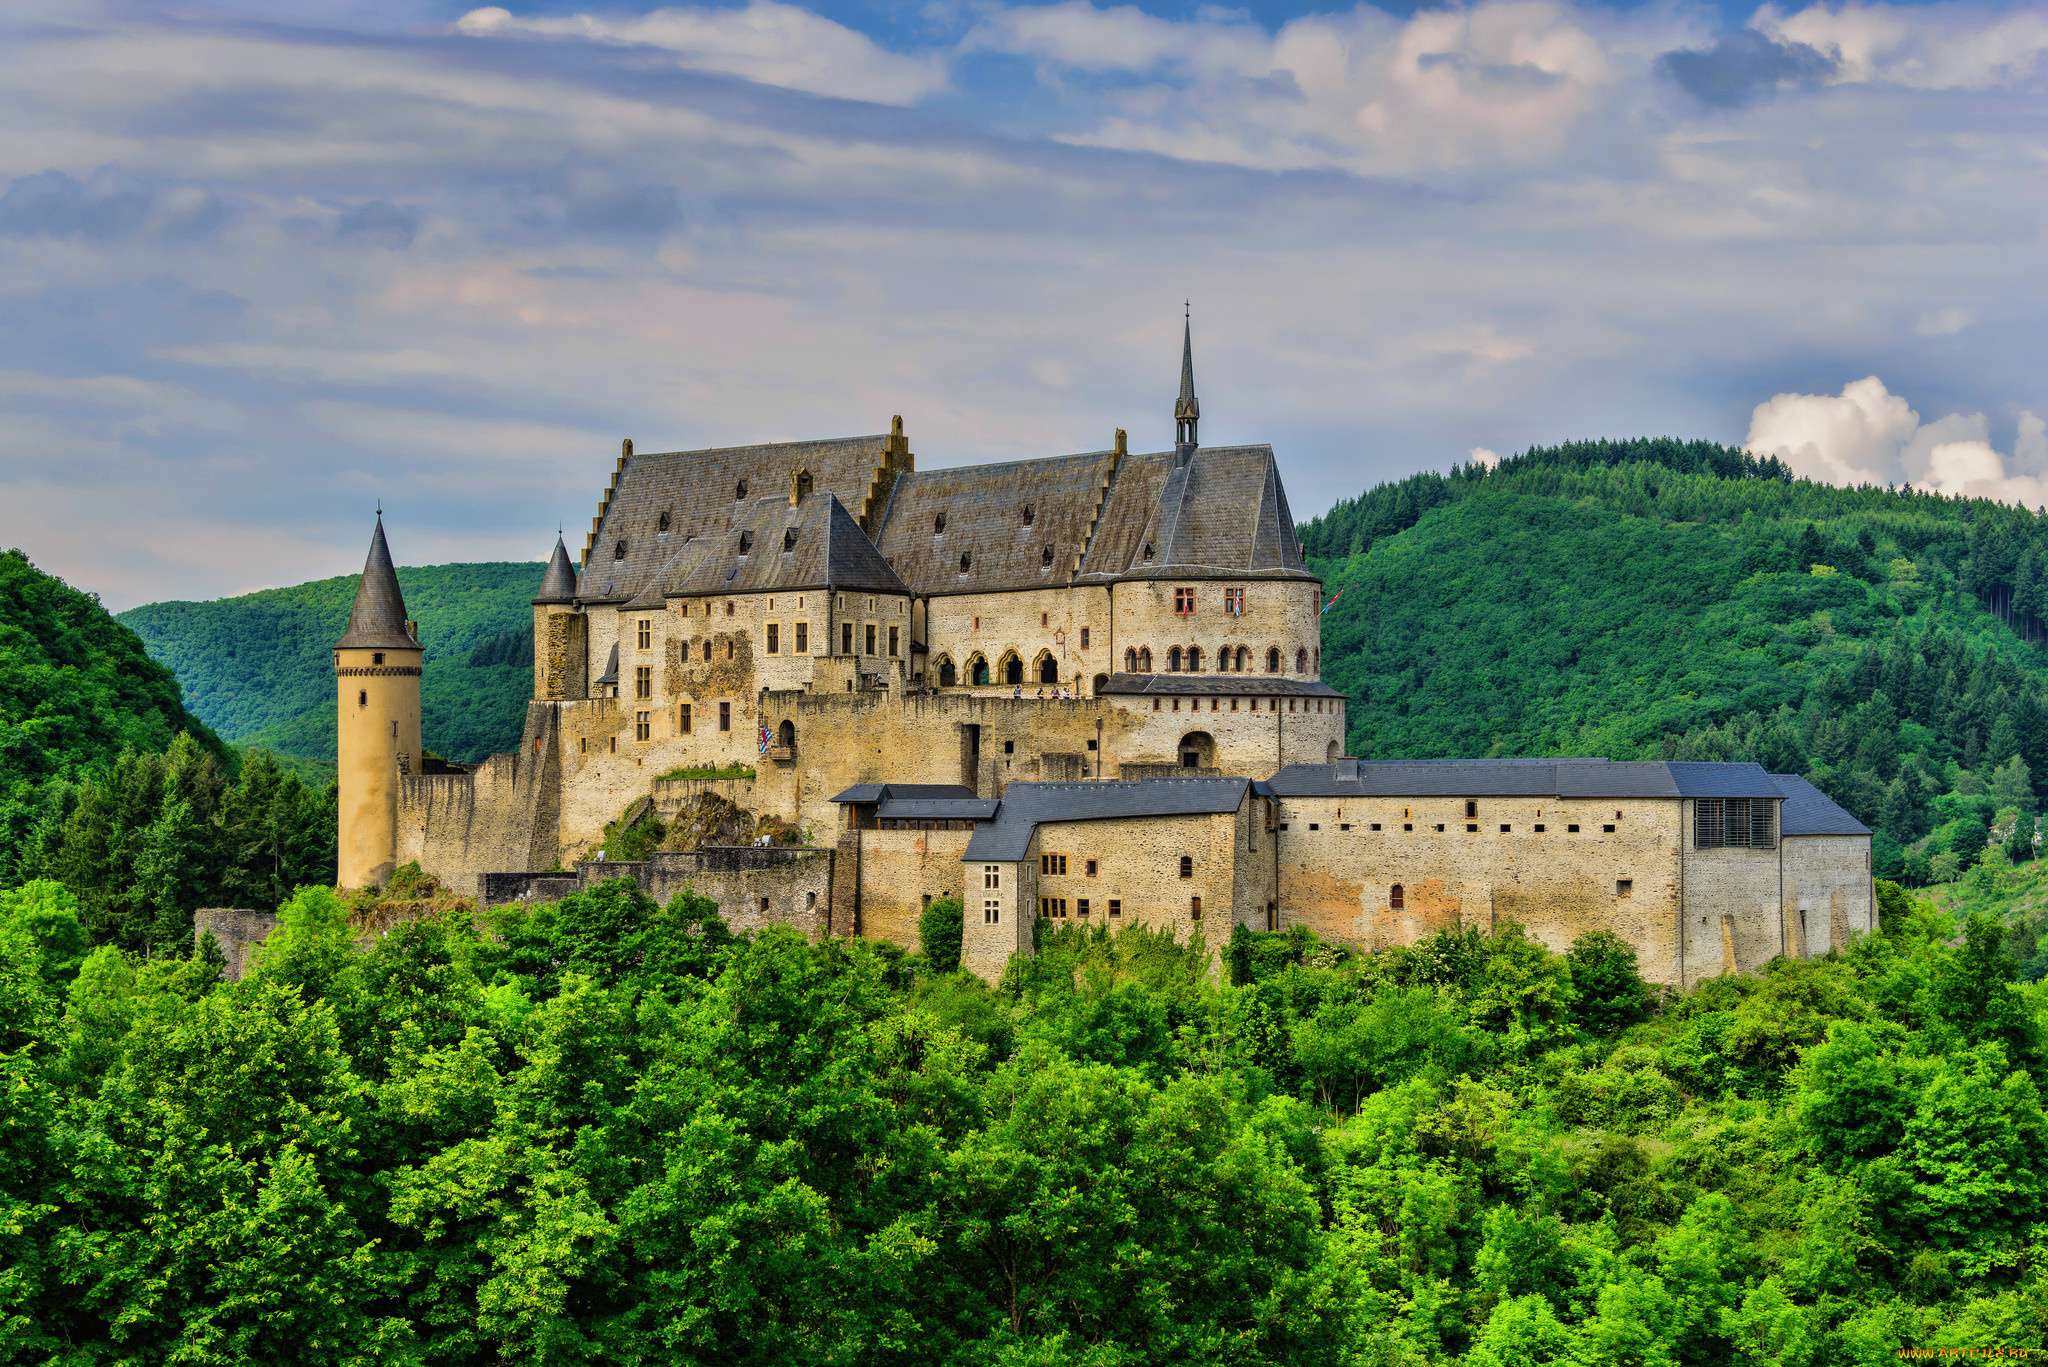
(671,795)
(237,931)
(754,886)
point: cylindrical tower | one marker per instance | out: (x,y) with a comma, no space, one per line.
(377,731)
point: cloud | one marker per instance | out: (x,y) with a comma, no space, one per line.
(379,222)
(1924,48)
(580,197)
(767,42)
(1868,435)
(109,206)
(1942,322)
(1745,66)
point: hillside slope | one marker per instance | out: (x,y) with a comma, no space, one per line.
(1679,600)
(258,668)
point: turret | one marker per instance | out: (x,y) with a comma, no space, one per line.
(559,632)
(1187,409)
(377,723)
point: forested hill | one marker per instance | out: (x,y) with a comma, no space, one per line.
(259,668)
(1684,600)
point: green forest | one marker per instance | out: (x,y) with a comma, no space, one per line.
(259,669)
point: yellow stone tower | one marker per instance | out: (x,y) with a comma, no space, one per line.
(377,731)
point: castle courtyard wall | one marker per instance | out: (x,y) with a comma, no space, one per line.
(1828,879)
(903,872)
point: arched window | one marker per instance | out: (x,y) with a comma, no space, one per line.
(1187,866)
(1130,660)
(1242,655)
(1273,660)
(1145,659)
(980,670)
(1013,670)
(1173,659)
(1101,682)
(1301,661)
(1396,898)
(1194,659)
(948,676)
(1048,670)
(785,735)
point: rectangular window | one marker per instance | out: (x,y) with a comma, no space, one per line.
(871,638)
(977,624)
(646,633)
(583,745)
(1116,907)
(846,638)
(643,726)
(1089,868)
(1539,828)
(1571,830)
(1045,619)
(1187,864)
(991,912)
(643,681)
(1471,826)
(1505,829)
(1736,821)
(728,607)
(1194,908)
(1080,906)
(683,720)
(614,747)
(991,875)
(725,716)
(1084,638)
(1053,907)
(1607,830)
(1184,601)
(1052,863)
(894,637)
(1624,887)
(1233,602)
(803,638)
(774,638)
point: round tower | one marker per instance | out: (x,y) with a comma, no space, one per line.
(377,731)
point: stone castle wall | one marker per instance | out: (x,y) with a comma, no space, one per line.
(754,887)
(900,874)
(1827,878)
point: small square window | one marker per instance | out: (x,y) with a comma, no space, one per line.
(1571,830)
(1009,747)
(1343,825)
(376,657)
(1607,830)
(1439,828)
(1315,825)
(1116,907)
(1090,868)
(1091,745)
(1505,829)
(1470,827)
(1407,825)
(1283,825)
(1375,825)
(1539,828)
(1624,887)
(1080,906)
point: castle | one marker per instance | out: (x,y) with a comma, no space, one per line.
(1086,686)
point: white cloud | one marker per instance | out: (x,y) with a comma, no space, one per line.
(767,42)
(1935,47)
(1868,435)
(1943,322)
(1482,457)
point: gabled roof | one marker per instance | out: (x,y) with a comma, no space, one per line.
(1563,778)
(1809,811)
(699,492)
(611,667)
(938,809)
(772,546)
(377,622)
(880,792)
(1026,806)
(558,585)
(1223,514)
(983,507)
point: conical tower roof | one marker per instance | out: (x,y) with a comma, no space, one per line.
(558,585)
(1187,362)
(378,620)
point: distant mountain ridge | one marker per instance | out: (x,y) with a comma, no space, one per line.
(257,668)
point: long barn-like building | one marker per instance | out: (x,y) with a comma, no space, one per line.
(932,674)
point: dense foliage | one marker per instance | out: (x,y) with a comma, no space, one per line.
(260,668)
(603,1131)
(1685,601)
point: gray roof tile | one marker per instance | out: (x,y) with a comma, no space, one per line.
(558,585)
(1026,806)
(984,507)
(377,622)
(1563,778)
(1809,811)
(881,792)
(937,809)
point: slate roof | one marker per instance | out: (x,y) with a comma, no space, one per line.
(880,792)
(377,622)
(938,809)
(1219,685)
(1025,806)
(1563,778)
(699,490)
(611,667)
(1223,514)
(984,510)
(558,585)
(1809,811)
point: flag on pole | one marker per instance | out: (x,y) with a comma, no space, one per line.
(1333,602)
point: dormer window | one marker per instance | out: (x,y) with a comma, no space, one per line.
(746,542)
(662,525)
(619,551)
(1148,550)
(788,539)
(1030,515)
(1045,555)
(739,492)
(938,524)
(966,560)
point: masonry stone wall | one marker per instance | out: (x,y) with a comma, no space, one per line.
(236,931)
(505,815)
(997,917)
(901,873)
(1337,873)
(1281,615)
(1828,892)
(1032,626)
(755,888)
(1733,921)
(1137,866)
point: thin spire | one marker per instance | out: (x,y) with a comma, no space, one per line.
(1187,410)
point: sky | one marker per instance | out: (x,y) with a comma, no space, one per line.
(265,265)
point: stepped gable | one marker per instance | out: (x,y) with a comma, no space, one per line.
(377,622)
(558,585)
(984,510)
(825,549)
(1223,514)
(700,493)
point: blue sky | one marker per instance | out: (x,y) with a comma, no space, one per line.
(264,264)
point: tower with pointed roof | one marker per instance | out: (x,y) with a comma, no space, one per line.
(377,723)
(1187,409)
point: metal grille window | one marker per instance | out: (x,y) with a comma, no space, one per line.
(1737,821)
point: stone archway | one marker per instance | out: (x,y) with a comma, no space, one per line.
(1101,682)
(1197,750)
(1048,670)
(948,676)
(1013,668)
(977,670)
(1333,752)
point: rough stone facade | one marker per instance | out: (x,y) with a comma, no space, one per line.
(1827,893)
(236,931)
